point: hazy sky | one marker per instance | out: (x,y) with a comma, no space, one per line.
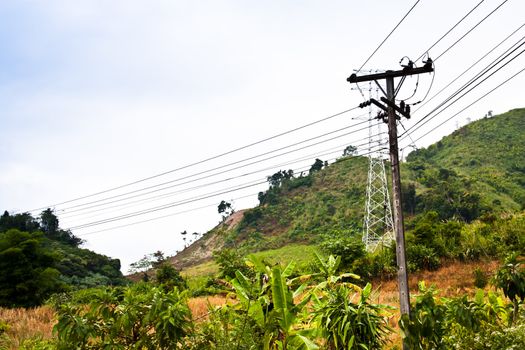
(97,94)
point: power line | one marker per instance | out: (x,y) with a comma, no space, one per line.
(183,212)
(149,199)
(470,30)
(469,68)
(198,162)
(159,217)
(388,36)
(450,30)
(167,206)
(422,121)
(476,101)
(225,166)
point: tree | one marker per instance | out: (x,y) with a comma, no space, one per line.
(159,258)
(230,261)
(318,165)
(226,209)
(28,275)
(195,236)
(49,223)
(279,177)
(511,279)
(23,222)
(349,151)
(168,277)
(183,234)
(142,266)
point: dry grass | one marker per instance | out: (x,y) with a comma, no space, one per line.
(26,324)
(200,306)
(453,279)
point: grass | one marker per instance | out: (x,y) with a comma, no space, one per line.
(26,324)
(196,276)
(303,255)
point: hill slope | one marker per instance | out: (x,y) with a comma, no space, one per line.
(491,152)
(479,168)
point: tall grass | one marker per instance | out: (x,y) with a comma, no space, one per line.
(24,324)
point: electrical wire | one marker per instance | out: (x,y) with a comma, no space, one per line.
(103,207)
(167,206)
(450,30)
(159,217)
(388,36)
(198,162)
(225,166)
(470,30)
(422,120)
(469,68)
(470,105)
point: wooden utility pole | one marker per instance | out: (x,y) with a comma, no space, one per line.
(391,118)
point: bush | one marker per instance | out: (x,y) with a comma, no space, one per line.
(4,327)
(350,248)
(421,257)
(169,277)
(480,278)
(230,261)
(346,324)
(141,316)
(382,263)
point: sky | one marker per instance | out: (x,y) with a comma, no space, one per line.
(95,95)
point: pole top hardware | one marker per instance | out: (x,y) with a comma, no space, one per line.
(407,70)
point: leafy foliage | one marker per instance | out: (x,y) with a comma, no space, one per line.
(460,323)
(351,325)
(230,261)
(137,317)
(45,259)
(28,275)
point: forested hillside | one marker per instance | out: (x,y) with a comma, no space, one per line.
(37,259)
(478,169)
(486,156)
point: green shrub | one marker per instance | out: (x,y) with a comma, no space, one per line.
(38,344)
(230,261)
(351,325)
(168,277)
(141,316)
(480,278)
(225,329)
(382,263)
(460,323)
(421,257)
(350,248)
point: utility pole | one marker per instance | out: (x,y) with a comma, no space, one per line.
(391,118)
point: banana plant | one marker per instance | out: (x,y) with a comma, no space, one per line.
(327,274)
(269,300)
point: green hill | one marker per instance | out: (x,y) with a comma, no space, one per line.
(478,169)
(37,259)
(489,152)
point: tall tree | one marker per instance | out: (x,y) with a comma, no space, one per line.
(28,275)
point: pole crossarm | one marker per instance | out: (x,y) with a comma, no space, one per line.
(427,68)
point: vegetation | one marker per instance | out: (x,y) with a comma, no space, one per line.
(38,259)
(293,273)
